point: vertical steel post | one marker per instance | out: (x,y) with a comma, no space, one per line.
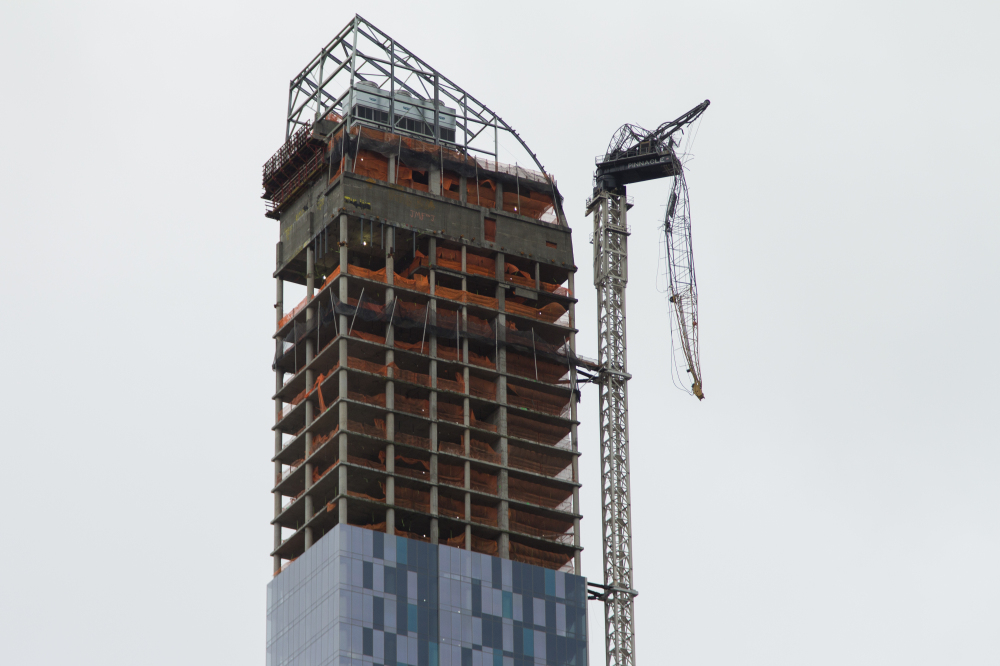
(610,278)
(349,116)
(437,110)
(392,87)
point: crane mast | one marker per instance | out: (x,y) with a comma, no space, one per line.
(611,277)
(633,155)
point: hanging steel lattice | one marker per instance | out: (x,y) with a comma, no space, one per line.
(683,289)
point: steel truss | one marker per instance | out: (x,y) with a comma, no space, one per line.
(611,277)
(683,286)
(361,52)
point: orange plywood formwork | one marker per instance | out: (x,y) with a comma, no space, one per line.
(536,368)
(487,515)
(413,440)
(542,558)
(378,399)
(451,507)
(412,498)
(537,493)
(536,431)
(482,388)
(538,525)
(458,385)
(522,396)
(486,546)
(375,527)
(372,165)
(320,440)
(407,375)
(550,312)
(479,450)
(539,462)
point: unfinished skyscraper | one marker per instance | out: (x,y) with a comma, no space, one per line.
(426,478)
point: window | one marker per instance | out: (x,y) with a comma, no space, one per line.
(371,114)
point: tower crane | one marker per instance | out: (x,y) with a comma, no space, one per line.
(634,155)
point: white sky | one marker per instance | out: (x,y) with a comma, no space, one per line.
(835,498)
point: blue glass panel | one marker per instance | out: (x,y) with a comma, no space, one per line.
(390,648)
(497,578)
(411,624)
(528,610)
(402,616)
(423,653)
(401,550)
(477,599)
(529,642)
(378,613)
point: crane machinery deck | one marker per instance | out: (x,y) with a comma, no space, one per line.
(634,155)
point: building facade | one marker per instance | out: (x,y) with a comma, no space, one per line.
(425,386)
(360,596)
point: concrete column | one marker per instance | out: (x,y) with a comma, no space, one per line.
(309,376)
(390,418)
(433,397)
(501,363)
(467,409)
(499,202)
(573,434)
(463,189)
(538,277)
(279,381)
(392,169)
(434,180)
(342,377)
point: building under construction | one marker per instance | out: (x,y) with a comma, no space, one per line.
(426,479)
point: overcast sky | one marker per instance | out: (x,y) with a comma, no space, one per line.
(834,499)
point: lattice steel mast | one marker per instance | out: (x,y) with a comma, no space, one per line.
(634,155)
(610,278)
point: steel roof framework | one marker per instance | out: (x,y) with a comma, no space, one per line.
(361,52)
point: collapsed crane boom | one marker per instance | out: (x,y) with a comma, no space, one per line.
(683,289)
(634,155)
